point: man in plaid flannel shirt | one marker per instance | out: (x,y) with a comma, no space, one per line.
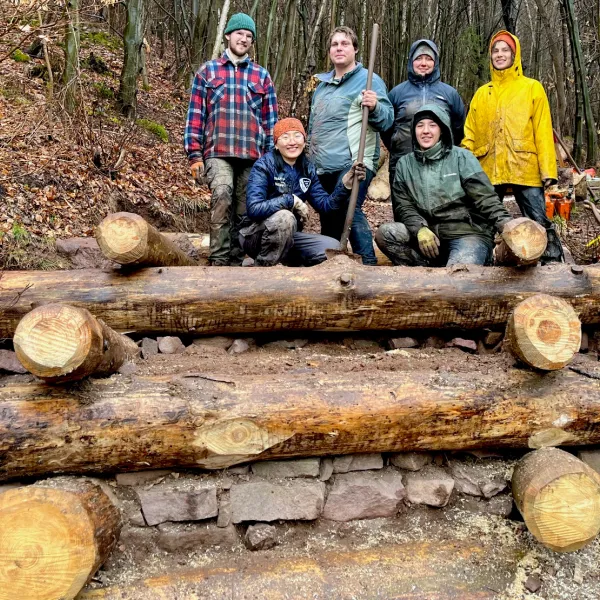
(230,120)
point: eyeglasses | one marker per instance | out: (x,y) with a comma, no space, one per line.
(292,136)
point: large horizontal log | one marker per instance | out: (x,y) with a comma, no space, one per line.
(199,420)
(339,294)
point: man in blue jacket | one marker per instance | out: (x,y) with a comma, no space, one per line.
(281,185)
(334,133)
(422,87)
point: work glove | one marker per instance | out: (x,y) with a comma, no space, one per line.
(357,169)
(300,209)
(197,171)
(429,244)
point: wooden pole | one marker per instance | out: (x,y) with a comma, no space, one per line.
(54,536)
(544,332)
(339,294)
(559,498)
(58,343)
(361,143)
(523,243)
(212,422)
(128,239)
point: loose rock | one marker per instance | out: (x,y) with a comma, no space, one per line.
(533,583)
(304,467)
(149,348)
(366,495)
(218,341)
(434,341)
(463,344)
(10,363)
(170,345)
(186,538)
(326,469)
(431,486)
(411,461)
(224,517)
(238,347)
(264,501)
(403,342)
(357,462)
(260,537)
(493,338)
(500,506)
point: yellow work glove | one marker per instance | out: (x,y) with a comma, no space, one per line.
(429,244)
(197,171)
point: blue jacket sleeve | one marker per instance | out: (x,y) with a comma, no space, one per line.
(457,118)
(258,204)
(382,118)
(320,200)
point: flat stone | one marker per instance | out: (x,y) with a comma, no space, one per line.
(533,583)
(149,348)
(500,506)
(357,462)
(170,344)
(239,346)
(190,537)
(141,477)
(128,368)
(431,486)
(493,488)
(493,338)
(260,537)
(591,458)
(463,344)
(286,344)
(326,469)
(224,517)
(304,467)
(10,363)
(411,461)
(264,501)
(478,479)
(434,341)
(403,342)
(188,501)
(366,495)
(218,341)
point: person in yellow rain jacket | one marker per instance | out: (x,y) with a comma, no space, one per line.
(509,129)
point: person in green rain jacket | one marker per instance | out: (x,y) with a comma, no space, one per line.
(446,211)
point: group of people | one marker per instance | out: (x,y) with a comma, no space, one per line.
(448,174)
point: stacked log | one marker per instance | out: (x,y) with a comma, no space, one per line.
(339,294)
(58,343)
(544,332)
(559,498)
(129,240)
(212,422)
(54,536)
(523,243)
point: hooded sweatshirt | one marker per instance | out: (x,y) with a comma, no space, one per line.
(444,188)
(410,95)
(509,127)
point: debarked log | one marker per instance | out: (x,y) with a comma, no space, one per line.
(523,243)
(54,536)
(210,421)
(339,294)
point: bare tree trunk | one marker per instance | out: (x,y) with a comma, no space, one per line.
(288,42)
(363,31)
(132,41)
(267,45)
(220,29)
(71,74)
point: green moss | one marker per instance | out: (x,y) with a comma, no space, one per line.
(155,128)
(102,39)
(20,56)
(104,91)
(19,232)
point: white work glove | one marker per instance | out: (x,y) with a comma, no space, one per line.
(300,210)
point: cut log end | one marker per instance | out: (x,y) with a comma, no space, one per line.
(55,339)
(123,237)
(523,243)
(544,332)
(49,541)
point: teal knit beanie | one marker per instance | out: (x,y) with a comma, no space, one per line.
(241,21)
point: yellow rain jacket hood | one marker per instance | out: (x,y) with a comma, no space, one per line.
(509,127)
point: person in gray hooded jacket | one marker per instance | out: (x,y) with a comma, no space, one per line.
(422,87)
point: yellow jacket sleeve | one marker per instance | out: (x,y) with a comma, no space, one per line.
(543,134)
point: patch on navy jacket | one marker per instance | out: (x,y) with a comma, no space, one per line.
(281,184)
(304,183)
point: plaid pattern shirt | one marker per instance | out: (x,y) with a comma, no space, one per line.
(232,111)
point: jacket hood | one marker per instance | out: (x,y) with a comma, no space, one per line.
(434,75)
(441,117)
(516,70)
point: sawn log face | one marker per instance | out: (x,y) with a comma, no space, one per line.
(210,422)
(339,294)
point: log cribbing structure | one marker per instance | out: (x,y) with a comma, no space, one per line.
(559,498)
(544,332)
(339,294)
(130,240)
(54,536)
(58,342)
(210,421)
(523,243)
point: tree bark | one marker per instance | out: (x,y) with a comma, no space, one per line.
(212,422)
(559,498)
(55,535)
(132,41)
(58,343)
(129,240)
(523,243)
(544,332)
(220,29)
(71,73)
(339,294)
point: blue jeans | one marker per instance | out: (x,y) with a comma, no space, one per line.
(532,205)
(394,241)
(332,223)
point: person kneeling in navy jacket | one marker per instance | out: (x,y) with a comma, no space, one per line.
(280,185)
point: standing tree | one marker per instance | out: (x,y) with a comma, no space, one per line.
(71,73)
(133,38)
